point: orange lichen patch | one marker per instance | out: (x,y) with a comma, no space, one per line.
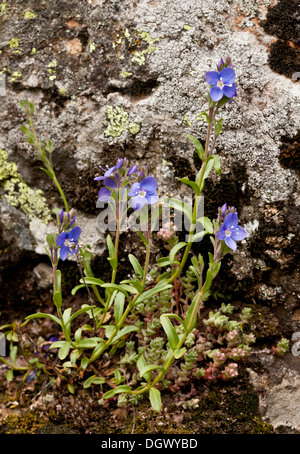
(74,46)
(72,23)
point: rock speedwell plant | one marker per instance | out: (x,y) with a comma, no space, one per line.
(146,327)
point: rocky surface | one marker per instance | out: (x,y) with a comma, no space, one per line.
(114,78)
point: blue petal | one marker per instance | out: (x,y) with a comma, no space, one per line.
(216,93)
(221,233)
(99,178)
(151,199)
(138,202)
(110,183)
(132,170)
(212,77)
(61,215)
(148,184)
(74,234)
(228,75)
(64,250)
(230,243)
(119,164)
(229,91)
(133,191)
(223,209)
(104,194)
(231,221)
(61,238)
(238,234)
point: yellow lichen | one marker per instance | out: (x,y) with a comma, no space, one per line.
(18,194)
(13,43)
(29,15)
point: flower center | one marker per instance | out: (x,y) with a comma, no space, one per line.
(142,193)
(70,244)
(220,83)
(228,232)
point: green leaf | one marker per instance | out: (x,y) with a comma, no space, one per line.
(10,375)
(155,399)
(58,279)
(209,166)
(93,380)
(42,315)
(179,205)
(161,286)
(79,312)
(207,224)
(124,288)
(170,331)
(135,284)
(113,262)
(84,362)
(57,299)
(217,164)
(192,184)
(75,289)
(191,316)
(175,250)
(92,281)
(199,148)
(111,247)
(67,315)
(64,350)
(208,281)
(178,353)
(124,331)
(218,126)
(119,389)
(71,388)
(141,235)
(119,306)
(136,266)
(163,261)
(176,318)
(90,342)
(141,365)
(197,237)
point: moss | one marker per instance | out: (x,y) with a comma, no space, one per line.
(29,423)
(117,121)
(19,194)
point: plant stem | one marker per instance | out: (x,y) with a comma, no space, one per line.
(171,358)
(196,203)
(48,164)
(128,309)
(11,365)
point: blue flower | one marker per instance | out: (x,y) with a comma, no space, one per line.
(67,241)
(230,231)
(110,171)
(222,83)
(143,193)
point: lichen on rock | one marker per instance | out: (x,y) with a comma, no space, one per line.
(18,194)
